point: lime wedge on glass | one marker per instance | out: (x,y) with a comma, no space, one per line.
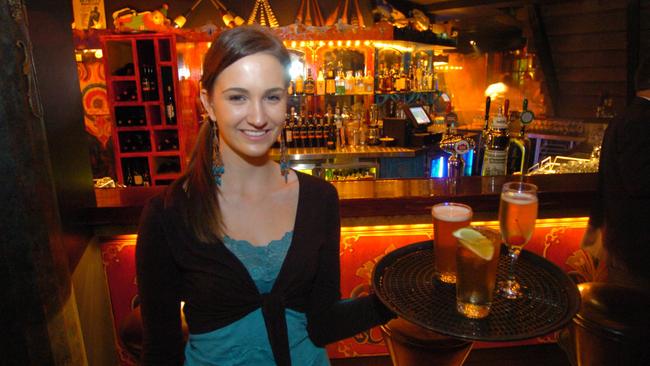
(476,242)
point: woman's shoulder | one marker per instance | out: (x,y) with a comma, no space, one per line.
(165,201)
(314,185)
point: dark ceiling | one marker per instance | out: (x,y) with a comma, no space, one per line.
(495,25)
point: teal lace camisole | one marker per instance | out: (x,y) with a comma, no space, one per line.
(245,342)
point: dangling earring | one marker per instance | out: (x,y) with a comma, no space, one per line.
(217,163)
(284,159)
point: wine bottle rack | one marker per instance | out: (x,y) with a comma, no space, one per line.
(142,81)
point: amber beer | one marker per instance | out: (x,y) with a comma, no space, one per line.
(517,215)
(447,218)
(476,278)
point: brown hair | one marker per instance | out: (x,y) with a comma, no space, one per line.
(200,208)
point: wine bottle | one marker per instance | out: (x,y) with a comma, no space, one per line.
(170,111)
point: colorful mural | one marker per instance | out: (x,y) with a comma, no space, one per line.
(97,116)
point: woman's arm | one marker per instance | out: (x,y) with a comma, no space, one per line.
(330,318)
(158,286)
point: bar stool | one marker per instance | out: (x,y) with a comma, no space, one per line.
(412,345)
(612,326)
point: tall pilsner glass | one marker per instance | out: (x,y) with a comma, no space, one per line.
(517,215)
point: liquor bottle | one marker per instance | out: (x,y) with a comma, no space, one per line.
(330,82)
(311,131)
(349,82)
(380,79)
(401,80)
(368,83)
(331,135)
(153,85)
(300,84)
(146,179)
(170,111)
(129,178)
(304,132)
(340,82)
(295,133)
(318,131)
(495,158)
(419,75)
(324,128)
(145,84)
(359,87)
(310,84)
(291,90)
(388,81)
(320,83)
(288,129)
(137,178)
(338,124)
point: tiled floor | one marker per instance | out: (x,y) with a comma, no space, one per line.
(540,355)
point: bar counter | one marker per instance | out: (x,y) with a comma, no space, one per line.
(346,152)
(560,196)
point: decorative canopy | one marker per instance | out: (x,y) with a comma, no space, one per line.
(263,14)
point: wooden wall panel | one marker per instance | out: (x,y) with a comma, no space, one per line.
(609,58)
(592,88)
(584,106)
(581,7)
(588,41)
(612,21)
(592,74)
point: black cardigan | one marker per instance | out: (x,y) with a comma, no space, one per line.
(172,266)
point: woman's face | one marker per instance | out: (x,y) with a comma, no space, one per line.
(248,101)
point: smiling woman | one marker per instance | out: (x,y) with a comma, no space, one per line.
(267,294)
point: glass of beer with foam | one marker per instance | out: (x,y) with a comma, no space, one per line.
(447,218)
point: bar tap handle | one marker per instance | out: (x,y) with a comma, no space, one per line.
(488,100)
(522,142)
(456,145)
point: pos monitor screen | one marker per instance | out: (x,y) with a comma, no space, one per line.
(418,117)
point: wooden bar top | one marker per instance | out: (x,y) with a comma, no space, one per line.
(560,195)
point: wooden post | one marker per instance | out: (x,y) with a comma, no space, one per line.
(633,44)
(38,307)
(545,57)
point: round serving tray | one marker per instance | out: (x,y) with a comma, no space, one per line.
(404,281)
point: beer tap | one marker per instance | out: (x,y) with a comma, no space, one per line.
(454,144)
(521,142)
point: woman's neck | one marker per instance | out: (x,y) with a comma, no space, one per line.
(250,175)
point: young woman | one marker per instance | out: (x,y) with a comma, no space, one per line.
(250,246)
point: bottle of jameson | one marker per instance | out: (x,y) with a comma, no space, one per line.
(495,156)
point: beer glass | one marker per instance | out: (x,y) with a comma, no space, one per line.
(447,218)
(517,215)
(476,273)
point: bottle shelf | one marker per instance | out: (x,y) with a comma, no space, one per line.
(124,78)
(144,102)
(132,128)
